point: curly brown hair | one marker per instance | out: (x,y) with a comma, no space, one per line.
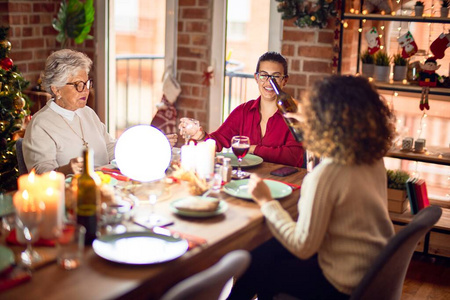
(347,120)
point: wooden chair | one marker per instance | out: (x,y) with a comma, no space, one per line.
(208,284)
(20,160)
(384,279)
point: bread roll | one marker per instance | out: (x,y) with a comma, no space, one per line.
(197,204)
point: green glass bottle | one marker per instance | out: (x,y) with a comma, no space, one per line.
(88,197)
(286,104)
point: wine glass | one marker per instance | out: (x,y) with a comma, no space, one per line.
(29,214)
(151,191)
(240,145)
(188,127)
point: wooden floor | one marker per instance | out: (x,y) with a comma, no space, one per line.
(427,278)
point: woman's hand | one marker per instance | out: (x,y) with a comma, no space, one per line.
(190,129)
(173,138)
(259,190)
(297,116)
(75,166)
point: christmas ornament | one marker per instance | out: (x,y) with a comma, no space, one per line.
(373,40)
(208,76)
(19,102)
(428,78)
(3,125)
(6,63)
(308,13)
(409,46)
(439,45)
(4,90)
(377,6)
(5,44)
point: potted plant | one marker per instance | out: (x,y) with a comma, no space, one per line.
(444,8)
(382,66)
(400,67)
(74,21)
(397,196)
(367,60)
(418,8)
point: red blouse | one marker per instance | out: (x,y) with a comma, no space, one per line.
(277,146)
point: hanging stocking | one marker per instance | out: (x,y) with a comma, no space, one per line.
(409,46)
(439,46)
(373,40)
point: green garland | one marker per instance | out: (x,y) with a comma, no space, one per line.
(308,13)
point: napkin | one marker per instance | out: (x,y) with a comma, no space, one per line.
(12,277)
(115,174)
(67,233)
(193,241)
(292,185)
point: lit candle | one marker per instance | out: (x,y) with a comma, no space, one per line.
(55,180)
(24,204)
(31,182)
(205,158)
(52,219)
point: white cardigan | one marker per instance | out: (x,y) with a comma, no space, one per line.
(49,142)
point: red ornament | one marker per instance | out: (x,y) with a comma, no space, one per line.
(6,63)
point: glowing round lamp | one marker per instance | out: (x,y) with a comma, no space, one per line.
(143,153)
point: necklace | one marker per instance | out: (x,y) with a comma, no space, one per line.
(85,144)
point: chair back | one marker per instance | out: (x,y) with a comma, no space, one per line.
(20,160)
(384,279)
(208,284)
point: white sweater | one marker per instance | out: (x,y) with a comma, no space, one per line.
(343,217)
(49,142)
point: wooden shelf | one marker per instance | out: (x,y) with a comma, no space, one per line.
(435,155)
(379,17)
(442,225)
(399,87)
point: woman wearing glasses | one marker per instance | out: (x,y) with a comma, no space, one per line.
(260,119)
(57,134)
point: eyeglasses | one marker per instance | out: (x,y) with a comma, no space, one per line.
(79,85)
(263,76)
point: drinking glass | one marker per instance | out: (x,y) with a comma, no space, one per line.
(188,127)
(29,215)
(149,193)
(240,145)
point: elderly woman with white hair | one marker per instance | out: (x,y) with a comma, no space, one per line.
(58,133)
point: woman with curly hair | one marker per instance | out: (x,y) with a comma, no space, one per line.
(343,220)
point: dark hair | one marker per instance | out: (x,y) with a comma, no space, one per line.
(431,60)
(347,120)
(275,57)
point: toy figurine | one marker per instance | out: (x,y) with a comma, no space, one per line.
(427,78)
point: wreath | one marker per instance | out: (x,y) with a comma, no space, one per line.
(308,13)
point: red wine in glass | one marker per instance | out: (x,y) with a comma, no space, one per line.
(240,146)
(240,150)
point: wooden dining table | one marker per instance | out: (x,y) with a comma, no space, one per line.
(241,226)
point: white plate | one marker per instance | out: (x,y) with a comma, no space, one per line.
(139,248)
(250,160)
(239,189)
(223,206)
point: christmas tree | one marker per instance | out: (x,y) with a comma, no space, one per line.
(14,109)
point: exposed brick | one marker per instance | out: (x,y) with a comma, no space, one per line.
(3,6)
(197,91)
(289,23)
(44,7)
(4,19)
(187,65)
(19,7)
(35,19)
(297,80)
(294,65)
(36,66)
(194,13)
(190,103)
(191,52)
(191,78)
(287,50)
(186,3)
(204,2)
(21,55)
(317,66)
(183,39)
(315,51)
(326,37)
(49,30)
(21,67)
(181,26)
(42,54)
(298,36)
(18,20)
(32,43)
(199,40)
(27,31)
(196,27)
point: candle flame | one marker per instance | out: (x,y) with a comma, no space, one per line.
(49,191)
(31,177)
(52,175)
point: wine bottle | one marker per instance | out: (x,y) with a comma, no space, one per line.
(286,104)
(88,197)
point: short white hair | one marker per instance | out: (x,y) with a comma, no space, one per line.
(61,65)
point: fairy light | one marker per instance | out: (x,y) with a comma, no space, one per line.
(415,173)
(364,20)
(359,29)
(423,124)
(352,10)
(381,47)
(345,24)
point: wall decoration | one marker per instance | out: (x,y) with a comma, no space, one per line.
(312,13)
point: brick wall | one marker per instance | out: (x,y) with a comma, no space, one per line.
(194,55)
(309,53)
(32,36)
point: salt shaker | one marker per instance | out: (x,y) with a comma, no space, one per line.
(226,169)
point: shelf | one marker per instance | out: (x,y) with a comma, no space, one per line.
(379,17)
(399,87)
(443,225)
(435,155)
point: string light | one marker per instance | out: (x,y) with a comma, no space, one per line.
(423,124)
(360,29)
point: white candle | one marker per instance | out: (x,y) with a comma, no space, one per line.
(32,183)
(52,217)
(56,181)
(188,157)
(205,155)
